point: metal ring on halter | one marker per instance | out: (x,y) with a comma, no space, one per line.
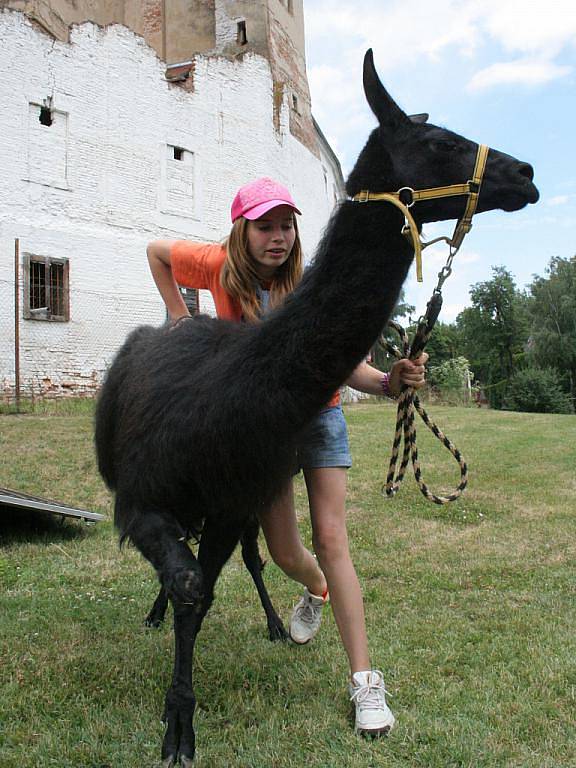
(411,192)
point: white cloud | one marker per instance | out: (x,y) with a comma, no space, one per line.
(403,28)
(531,26)
(521,72)
(451,311)
(327,80)
(558,200)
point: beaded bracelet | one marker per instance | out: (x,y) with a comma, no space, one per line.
(385,385)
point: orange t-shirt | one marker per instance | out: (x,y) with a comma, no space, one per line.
(198,265)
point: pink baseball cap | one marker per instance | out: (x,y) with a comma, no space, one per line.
(257,198)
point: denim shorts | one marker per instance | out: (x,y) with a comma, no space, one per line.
(324,442)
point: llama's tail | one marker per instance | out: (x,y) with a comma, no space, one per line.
(108,406)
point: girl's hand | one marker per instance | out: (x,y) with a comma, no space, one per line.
(411,373)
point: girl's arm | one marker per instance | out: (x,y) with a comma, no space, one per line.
(410,372)
(158,252)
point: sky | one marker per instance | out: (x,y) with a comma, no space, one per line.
(500,72)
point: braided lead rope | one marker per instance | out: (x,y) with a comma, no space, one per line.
(405,428)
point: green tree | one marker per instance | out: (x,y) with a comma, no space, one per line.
(553,311)
(494,332)
(537,390)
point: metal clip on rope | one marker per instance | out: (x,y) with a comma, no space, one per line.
(407,403)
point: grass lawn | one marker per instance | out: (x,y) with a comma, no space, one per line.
(471,614)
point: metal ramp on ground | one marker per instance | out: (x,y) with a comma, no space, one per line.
(26,502)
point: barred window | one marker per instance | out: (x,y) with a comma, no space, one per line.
(46,288)
(190,296)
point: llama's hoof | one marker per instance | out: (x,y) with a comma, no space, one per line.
(170,762)
(276,632)
(153,621)
(184,586)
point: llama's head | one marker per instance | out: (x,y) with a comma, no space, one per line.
(409,152)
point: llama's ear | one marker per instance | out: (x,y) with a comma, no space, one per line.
(380,101)
(421,118)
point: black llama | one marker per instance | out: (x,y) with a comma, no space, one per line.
(196,428)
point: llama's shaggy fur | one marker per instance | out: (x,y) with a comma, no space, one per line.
(197,427)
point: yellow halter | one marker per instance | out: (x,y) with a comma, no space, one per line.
(405,198)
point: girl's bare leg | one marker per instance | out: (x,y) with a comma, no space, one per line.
(327,497)
(280,528)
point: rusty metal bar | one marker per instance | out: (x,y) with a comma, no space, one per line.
(17,321)
(25,501)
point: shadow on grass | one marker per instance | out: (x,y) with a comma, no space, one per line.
(18,526)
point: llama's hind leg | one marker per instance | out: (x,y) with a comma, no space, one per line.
(255,565)
(158,610)
(217,543)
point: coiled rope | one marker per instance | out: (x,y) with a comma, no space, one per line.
(408,402)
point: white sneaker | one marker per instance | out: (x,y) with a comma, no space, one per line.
(369,696)
(306,617)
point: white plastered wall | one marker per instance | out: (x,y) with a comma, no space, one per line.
(98,184)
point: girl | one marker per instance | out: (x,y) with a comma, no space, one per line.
(259,263)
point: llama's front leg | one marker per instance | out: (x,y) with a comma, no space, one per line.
(180,739)
(161,541)
(216,545)
(254,564)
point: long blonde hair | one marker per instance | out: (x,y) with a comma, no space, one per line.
(239,277)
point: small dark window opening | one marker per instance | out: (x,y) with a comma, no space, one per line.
(295,102)
(178,153)
(290,6)
(45,116)
(47,289)
(241,38)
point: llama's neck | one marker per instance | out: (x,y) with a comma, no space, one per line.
(326,328)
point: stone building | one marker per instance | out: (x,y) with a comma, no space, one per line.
(127,121)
